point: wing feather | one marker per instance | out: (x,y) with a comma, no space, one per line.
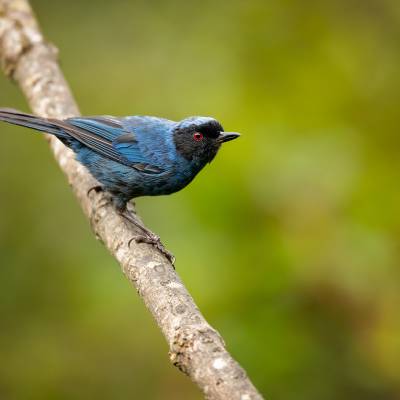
(107,136)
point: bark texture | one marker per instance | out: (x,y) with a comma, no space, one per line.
(195,347)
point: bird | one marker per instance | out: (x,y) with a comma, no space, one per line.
(134,156)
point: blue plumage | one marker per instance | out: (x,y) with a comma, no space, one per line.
(137,155)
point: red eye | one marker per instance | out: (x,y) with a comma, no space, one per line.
(197,136)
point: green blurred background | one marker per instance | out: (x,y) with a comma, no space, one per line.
(289,241)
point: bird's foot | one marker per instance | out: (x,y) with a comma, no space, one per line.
(97,189)
(105,200)
(150,238)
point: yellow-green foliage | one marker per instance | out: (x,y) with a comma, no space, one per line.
(289,241)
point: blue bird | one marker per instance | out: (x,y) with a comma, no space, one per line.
(136,155)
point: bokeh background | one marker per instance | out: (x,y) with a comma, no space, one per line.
(289,241)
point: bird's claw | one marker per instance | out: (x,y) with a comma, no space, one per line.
(96,189)
(106,198)
(151,238)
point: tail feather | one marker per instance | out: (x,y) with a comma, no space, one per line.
(30,121)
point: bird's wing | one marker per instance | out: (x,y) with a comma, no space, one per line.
(110,137)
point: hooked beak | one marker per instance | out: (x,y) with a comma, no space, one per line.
(227,136)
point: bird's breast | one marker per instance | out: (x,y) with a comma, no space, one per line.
(175,178)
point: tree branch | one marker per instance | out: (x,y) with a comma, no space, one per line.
(195,347)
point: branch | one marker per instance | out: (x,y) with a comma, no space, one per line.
(195,347)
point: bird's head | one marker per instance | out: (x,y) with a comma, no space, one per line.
(199,138)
